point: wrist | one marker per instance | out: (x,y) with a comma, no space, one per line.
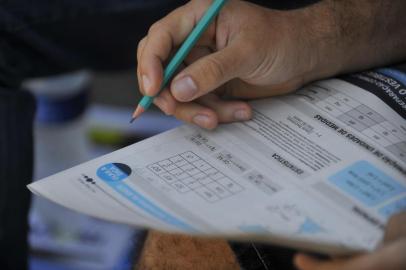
(321,35)
(359,34)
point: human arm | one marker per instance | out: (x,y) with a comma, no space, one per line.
(253,52)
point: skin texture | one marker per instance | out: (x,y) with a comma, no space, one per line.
(253,52)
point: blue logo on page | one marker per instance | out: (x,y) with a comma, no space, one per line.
(367,183)
(114,172)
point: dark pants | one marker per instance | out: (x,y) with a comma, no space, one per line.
(41,39)
(44,38)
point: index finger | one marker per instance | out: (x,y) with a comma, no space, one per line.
(164,36)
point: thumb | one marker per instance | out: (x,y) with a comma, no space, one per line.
(207,74)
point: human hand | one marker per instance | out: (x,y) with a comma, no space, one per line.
(391,256)
(249,52)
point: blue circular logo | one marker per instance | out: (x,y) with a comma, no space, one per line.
(114,172)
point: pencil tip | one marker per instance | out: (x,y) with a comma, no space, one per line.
(137,113)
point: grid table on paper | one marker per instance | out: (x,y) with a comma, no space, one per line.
(187,172)
(358,116)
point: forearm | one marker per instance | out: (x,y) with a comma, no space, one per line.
(372,32)
(354,35)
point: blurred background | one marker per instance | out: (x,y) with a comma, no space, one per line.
(83,111)
(79,109)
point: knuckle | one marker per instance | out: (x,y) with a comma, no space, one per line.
(140,47)
(170,110)
(167,111)
(164,109)
(201,3)
(178,112)
(155,27)
(141,90)
(141,44)
(213,68)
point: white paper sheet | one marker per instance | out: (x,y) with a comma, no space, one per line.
(313,170)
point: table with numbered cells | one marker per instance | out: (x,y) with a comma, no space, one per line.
(359,116)
(187,172)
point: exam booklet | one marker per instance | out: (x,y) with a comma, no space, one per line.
(321,169)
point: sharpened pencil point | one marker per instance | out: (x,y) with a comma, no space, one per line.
(138,111)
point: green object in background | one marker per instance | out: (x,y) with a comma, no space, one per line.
(106,137)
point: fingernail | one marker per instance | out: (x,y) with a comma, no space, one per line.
(184,88)
(146,83)
(241,115)
(201,120)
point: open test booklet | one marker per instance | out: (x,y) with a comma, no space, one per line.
(321,169)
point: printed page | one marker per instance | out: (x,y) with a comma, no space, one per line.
(321,170)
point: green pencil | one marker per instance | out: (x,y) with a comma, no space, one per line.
(181,54)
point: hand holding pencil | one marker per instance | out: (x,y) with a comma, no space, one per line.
(247,52)
(182,53)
